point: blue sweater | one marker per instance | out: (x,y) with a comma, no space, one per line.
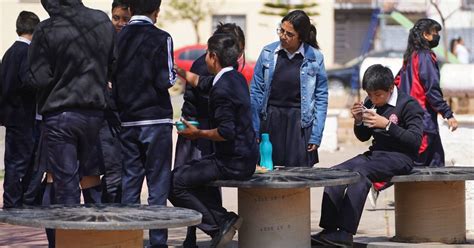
(144,72)
(17,101)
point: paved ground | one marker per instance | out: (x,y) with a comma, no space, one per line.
(375,224)
(378,222)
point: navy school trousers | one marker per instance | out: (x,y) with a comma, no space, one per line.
(19,149)
(147,153)
(189,190)
(112,159)
(342,205)
(71,136)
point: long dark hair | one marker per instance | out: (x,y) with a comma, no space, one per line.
(416,41)
(302,24)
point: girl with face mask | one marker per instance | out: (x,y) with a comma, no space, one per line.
(419,77)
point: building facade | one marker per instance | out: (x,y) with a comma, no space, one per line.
(259,29)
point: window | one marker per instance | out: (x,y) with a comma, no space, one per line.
(240,20)
(192,54)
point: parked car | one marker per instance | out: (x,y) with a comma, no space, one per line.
(185,56)
(340,78)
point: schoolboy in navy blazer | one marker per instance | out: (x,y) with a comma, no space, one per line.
(236,148)
(396,127)
(17,112)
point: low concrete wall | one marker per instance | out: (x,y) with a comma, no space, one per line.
(458,147)
(330,136)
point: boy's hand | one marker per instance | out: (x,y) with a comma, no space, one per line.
(181,72)
(190,132)
(356,111)
(373,120)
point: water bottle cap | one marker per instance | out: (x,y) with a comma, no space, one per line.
(265,136)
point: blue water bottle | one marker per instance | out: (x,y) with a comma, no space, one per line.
(266,152)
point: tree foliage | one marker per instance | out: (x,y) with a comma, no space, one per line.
(281,8)
(443,18)
(194,11)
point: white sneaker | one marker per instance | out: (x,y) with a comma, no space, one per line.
(373,195)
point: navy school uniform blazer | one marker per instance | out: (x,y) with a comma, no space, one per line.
(230,113)
(17,101)
(405,132)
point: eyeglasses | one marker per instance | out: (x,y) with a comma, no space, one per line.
(281,32)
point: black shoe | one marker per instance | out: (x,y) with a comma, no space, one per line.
(227,231)
(317,240)
(339,238)
(190,241)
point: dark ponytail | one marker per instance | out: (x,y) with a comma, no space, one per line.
(312,41)
(302,25)
(416,41)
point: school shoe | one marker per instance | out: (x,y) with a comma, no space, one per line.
(227,231)
(317,240)
(338,238)
(190,241)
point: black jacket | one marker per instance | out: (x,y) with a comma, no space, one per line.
(405,133)
(144,72)
(229,109)
(17,100)
(196,103)
(70,55)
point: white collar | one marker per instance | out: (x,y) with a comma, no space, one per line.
(393,98)
(140,18)
(291,55)
(220,73)
(23,39)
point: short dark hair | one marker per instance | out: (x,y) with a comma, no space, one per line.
(123,4)
(231,28)
(377,77)
(144,7)
(226,48)
(26,22)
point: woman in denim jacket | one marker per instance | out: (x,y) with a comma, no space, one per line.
(289,93)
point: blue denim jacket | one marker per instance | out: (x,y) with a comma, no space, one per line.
(314,89)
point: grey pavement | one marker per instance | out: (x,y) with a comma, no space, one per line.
(375,222)
(376,226)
